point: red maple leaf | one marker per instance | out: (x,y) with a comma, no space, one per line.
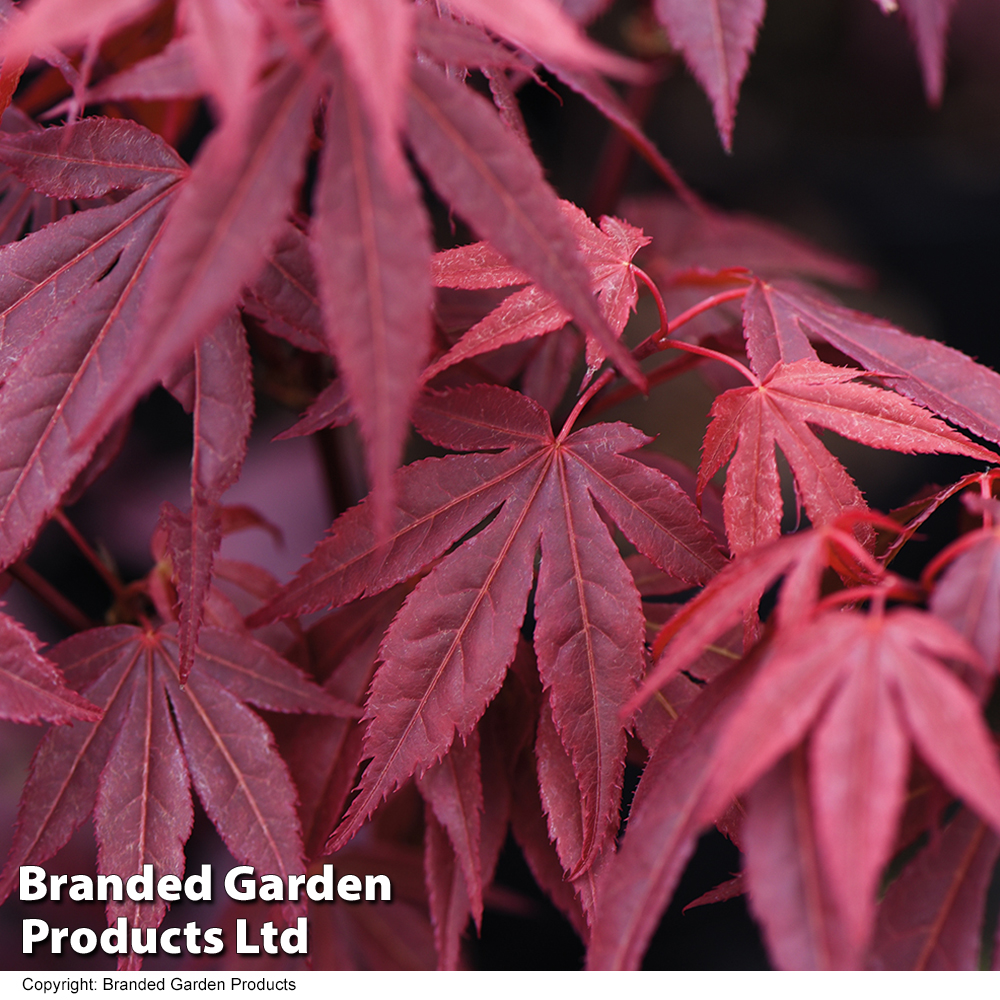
(133,767)
(778,411)
(531,311)
(448,649)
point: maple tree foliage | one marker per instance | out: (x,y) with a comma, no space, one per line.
(473,654)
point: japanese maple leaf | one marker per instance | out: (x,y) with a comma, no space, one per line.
(133,767)
(31,687)
(847,693)
(68,299)
(865,686)
(217,390)
(781,319)
(716,38)
(778,412)
(449,648)
(607,252)
(931,916)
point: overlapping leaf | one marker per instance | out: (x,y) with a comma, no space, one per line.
(932,915)
(31,687)
(866,686)
(968,595)
(70,302)
(777,413)
(219,233)
(664,822)
(716,37)
(944,380)
(482,169)
(800,558)
(155,737)
(531,312)
(447,652)
(372,253)
(687,239)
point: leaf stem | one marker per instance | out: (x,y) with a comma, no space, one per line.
(730,295)
(665,372)
(33,581)
(707,352)
(592,390)
(661,307)
(115,585)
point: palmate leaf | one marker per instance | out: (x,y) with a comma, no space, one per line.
(822,821)
(70,303)
(932,916)
(865,686)
(778,412)
(531,312)
(447,652)
(481,168)
(130,761)
(31,687)
(944,380)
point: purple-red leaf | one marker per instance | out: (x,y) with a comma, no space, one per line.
(783,872)
(866,685)
(565,813)
(453,788)
(686,239)
(91,158)
(752,421)
(664,822)
(31,688)
(716,37)
(944,380)
(372,249)
(242,782)
(932,915)
(61,378)
(374,39)
(130,764)
(531,312)
(143,812)
(226,219)
(447,652)
(541,28)
(968,594)
(491,179)
(285,296)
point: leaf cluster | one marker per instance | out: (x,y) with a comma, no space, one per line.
(479,646)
